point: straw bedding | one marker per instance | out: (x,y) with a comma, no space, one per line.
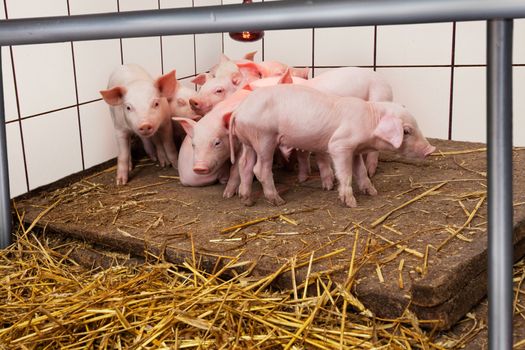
(50,301)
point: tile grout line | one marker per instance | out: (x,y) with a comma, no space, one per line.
(375,49)
(161,49)
(120,39)
(262,44)
(452,70)
(313,52)
(194,51)
(222,35)
(76,96)
(19,115)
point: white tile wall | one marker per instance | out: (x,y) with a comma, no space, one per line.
(208,49)
(518,136)
(79,7)
(44,75)
(518,42)
(425,92)
(293,47)
(142,51)
(98,137)
(35,8)
(344,46)
(178,53)
(470,101)
(15,157)
(52,145)
(137,5)
(469,115)
(178,50)
(94,62)
(45,78)
(414,44)
(471,43)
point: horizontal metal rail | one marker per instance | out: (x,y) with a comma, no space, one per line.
(264,16)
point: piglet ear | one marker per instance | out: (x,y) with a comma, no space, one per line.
(390,129)
(236,78)
(187,125)
(113,97)
(250,55)
(301,72)
(250,68)
(167,84)
(226,120)
(201,79)
(286,78)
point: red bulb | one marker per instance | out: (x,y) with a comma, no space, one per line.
(247,36)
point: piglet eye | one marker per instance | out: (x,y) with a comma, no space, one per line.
(128,108)
(406,132)
(219,91)
(217,143)
(156,104)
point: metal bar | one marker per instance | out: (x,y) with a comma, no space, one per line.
(500,210)
(257,16)
(5,198)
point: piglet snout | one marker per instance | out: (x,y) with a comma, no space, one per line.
(201,169)
(146,129)
(194,104)
(429,150)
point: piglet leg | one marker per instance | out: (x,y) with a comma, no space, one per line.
(361,176)
(161,154)
(149,148)
(343,157)
(234,179)
(325,170)
(166,134)
(263,170)
(303,163)
(371,161)
(124,157)
(246,163)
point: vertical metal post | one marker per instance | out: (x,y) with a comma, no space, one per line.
(499,153)
(5,205)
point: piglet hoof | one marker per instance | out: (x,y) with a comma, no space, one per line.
(276,200)
(122,180)
(229,192)
(302,177)
(372,191)
(328,184)
(348,200)
(247,201)
(369,189)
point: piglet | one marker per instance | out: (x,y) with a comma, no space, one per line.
(180,102)
(358,82)
(230,76)
(205,152)
(335,128)
(139,105)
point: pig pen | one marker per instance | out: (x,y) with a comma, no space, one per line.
(420,244)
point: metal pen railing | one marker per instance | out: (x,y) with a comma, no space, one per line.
(328,13)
